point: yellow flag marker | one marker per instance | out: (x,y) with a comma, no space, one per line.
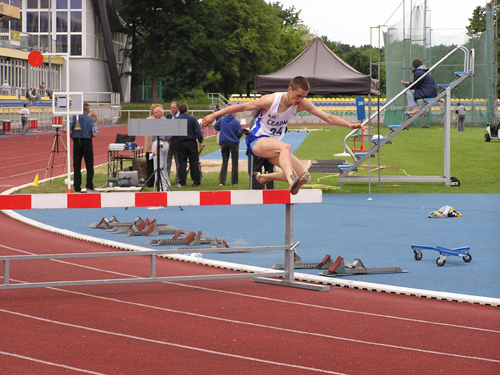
(35,183)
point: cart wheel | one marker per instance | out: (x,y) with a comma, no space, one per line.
(487,137)
(467,258)
(417,254)
(440,262)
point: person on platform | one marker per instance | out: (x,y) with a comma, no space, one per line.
(82,129)
(425,88)
(274,113)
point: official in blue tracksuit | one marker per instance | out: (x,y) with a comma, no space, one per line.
(229,140)
(425,88)
(83,129)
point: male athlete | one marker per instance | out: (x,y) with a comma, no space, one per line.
(274,113)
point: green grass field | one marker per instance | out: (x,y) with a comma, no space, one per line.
(417,152)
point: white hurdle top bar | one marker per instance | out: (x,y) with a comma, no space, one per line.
(160,199)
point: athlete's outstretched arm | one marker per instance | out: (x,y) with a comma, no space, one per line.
(307,105)
(261,103)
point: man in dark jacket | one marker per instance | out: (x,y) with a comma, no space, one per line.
(83,128)
(172,150)
(187,148)
(229,141)
(425,88)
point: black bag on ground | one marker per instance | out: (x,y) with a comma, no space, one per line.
(124,138)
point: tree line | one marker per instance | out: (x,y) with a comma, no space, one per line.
(220,45)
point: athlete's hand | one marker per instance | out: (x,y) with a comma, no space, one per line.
(357,126)
(208,120)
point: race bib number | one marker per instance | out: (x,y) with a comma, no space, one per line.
(277,131)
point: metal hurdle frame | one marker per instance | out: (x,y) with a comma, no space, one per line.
(287,277)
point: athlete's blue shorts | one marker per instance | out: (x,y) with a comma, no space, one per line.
(251,140)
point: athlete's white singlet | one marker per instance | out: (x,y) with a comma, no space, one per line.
(273,124)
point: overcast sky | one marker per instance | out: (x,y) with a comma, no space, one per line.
(350,21)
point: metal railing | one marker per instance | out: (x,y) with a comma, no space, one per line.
(469,59)
(10,114)
(105,105)
(215,97)
(152,254)
(27,42)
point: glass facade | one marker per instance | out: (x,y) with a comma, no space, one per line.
(69,26)
(58,26)
(38,17)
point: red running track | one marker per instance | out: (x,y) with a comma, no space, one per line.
(219,326)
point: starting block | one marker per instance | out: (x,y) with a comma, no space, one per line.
(344,268)
(444,253)
(341,267)
(191,239)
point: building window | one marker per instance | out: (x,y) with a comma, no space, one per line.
(76,45)
(32,22)
(44,42)
(62,43)
(76,22)
(17,25)
(76,4)
(44,22)
(32,4)
(62,22)
(62,4)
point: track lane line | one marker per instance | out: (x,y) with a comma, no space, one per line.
(152,341)
(31,359)
(258,325)
(412,320)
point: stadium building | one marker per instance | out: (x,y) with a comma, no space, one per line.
(90,33)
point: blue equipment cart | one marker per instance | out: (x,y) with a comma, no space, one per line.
(443,253)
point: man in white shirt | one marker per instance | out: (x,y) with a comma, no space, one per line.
(24,112)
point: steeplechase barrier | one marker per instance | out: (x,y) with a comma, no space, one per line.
(168,199)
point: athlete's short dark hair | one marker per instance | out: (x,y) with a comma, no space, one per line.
(299,82)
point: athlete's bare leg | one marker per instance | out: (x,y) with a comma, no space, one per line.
(297,168)
(279,154)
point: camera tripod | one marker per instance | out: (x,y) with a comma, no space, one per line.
(162,181)
(55,150)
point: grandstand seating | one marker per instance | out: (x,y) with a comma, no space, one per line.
(348,105)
